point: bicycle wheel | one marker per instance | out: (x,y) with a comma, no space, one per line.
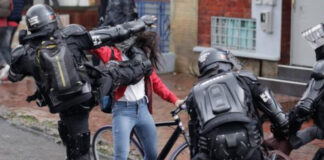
(182,152)
(103,147)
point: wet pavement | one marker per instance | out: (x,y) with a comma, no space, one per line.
(16,144)
(13,97)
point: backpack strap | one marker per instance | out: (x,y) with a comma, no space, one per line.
(112,56)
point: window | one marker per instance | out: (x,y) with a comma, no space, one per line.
(233,33)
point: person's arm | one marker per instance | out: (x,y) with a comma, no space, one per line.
(102,11)
(160,89)
(119,33)
(266,102)
(17,70)
(77,36)
(129,10)
(314,92)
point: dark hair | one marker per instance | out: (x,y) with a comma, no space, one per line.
(148,42)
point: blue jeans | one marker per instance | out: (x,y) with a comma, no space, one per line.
(6,36)
(128,116)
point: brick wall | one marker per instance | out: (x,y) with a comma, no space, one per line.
(226,8)
(285,32)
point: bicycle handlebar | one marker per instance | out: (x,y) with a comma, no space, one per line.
(178,109)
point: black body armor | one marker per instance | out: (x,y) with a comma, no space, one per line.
(25,62)
(224,121)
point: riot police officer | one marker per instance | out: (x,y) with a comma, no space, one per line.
(311,104)
(224,121)
(48,42)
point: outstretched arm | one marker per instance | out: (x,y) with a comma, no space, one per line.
(77,37)
(305,107)
(119,33)
(273,110)
(17,69)
(266,103)
(314,92)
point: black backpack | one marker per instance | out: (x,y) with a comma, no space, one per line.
(59,69)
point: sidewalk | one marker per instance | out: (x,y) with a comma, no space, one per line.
(14,107)
(15,144)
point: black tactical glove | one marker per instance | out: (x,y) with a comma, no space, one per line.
(139,57)
(21,37)
(13,77)
(112,69)
(280,131)
(296,118)
(140,24)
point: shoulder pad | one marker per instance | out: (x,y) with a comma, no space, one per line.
(16,53)
(247,74)
(73,30)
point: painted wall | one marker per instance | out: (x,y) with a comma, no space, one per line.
(268,45)
(184,23)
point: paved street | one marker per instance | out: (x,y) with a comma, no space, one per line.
(16,144)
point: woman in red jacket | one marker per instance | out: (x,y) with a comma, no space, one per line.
(134,102)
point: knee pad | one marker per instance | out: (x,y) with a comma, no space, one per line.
(63,132)
(78,145)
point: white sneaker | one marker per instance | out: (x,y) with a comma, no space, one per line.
(4,72)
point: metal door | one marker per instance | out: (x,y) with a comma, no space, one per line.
(305,14)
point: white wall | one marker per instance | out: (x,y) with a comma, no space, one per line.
(268,45)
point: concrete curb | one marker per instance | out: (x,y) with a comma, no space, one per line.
(39,130)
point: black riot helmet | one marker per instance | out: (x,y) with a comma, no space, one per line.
(41,17)
(212,59)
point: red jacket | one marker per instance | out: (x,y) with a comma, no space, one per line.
(152,83)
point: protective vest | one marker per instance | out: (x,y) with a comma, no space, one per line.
(222,98)
(227,129)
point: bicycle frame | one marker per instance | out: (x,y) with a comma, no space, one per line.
(167,147)
(175,135)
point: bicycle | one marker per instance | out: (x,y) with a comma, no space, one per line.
(102,143)
(102,146)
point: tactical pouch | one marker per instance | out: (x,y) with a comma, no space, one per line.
(230,141)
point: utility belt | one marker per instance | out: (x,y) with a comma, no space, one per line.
(230,141)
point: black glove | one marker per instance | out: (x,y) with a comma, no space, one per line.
(22,34)
(296,119)
(139,57)
(280,132)
(140,24)
(148,20)
(112,69)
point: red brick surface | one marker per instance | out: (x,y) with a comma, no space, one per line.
(228,8)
